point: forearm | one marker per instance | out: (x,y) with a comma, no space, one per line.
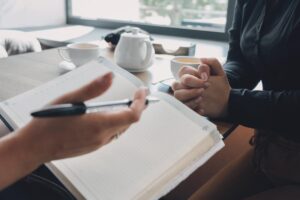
(15,158)
(268,110)
(240,75)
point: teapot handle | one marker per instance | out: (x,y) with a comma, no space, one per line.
(149,49)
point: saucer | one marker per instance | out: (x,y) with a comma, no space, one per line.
(66,66)
(136,70)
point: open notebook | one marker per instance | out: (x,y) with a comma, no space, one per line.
(149,160)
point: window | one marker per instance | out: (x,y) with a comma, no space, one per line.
(191,18)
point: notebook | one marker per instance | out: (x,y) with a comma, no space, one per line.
(151,158)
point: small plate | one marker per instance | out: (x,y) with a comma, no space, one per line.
(66,66)
(136,70)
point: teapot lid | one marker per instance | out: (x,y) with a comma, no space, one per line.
(135,33)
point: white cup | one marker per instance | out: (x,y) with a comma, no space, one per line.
(80,53)
(180,61)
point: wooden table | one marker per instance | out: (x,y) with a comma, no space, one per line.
(24,72)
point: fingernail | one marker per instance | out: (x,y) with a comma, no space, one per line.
(204,76)
(200,91)
(206,85)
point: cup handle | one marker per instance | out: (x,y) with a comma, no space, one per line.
(64,55)
(148,53)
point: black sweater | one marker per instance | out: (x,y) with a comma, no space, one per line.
(265,46)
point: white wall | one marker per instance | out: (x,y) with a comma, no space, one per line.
(30,13)
(114,9)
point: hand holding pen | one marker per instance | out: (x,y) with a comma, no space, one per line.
(46,139)
(63,110)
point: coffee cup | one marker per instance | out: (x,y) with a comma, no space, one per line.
(79,53)
(180,61)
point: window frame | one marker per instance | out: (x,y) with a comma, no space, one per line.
(156,29)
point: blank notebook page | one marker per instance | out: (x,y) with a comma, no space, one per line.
(126,166)
(20,107)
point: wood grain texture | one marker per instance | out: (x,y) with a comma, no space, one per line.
(21,73)
(24,72)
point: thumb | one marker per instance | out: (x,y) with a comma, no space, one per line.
(215,66)
(88,91)
(204,71)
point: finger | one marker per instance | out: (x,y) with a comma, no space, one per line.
(204,71)
(125,116)
(89,91)
(122,130)
(115,134)
(201,106)
(138,104)
(192,81)
(110,120)
(188,70)
(178,86)
(215,66)
(201,111)
(194,104)
(186,95)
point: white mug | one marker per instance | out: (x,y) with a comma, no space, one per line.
(180,61)
(80,53)
(134,51)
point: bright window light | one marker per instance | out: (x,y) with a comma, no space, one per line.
(195,14)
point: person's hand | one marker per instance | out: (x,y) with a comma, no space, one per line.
(214,99)
(56,138)
(205,90)
(191,84)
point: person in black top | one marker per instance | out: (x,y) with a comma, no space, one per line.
(264,46)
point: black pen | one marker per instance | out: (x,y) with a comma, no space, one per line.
(63,110)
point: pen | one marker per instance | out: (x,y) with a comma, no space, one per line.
(63,110)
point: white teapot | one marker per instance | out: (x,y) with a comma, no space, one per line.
(134,51)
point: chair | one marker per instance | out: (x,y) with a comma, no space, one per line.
(16,42)
(3,52)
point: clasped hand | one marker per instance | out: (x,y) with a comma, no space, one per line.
(205,90)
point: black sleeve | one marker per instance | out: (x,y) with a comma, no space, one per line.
(276,111)
(269,110)
(240,73)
